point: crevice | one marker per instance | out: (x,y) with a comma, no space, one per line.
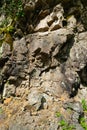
(64,51)
(83,75)
(46,70)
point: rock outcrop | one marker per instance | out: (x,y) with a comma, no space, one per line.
(43,79)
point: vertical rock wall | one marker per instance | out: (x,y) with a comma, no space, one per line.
(46,72)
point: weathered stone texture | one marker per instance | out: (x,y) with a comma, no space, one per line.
(46,72)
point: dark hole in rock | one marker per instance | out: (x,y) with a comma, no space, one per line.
(36,52)
(64,23)
(3,61)
(74,90)
(64,51)
(71,86)
(83,75)
(43,100)
(71,89)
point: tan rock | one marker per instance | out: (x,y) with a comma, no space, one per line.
(7,100)
(43,13)
(42,26)
(56,25)
(49,20)
(71,22)
(9,90)
(30,6)
(54,20)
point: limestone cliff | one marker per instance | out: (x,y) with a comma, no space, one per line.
(43,65)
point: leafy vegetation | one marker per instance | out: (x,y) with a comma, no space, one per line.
(64,124)
(13,8)
(83,123)
(11,11)
(83,120)
(84,105)
(6,29)
(58,114)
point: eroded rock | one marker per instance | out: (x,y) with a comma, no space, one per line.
(47,69)
(35,98)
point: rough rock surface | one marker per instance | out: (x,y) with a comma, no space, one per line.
(44,78)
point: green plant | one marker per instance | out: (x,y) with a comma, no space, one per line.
(65,126)
(58,114)
(13,8)
(83,123)
(63,123)
(4,23)
(84,105)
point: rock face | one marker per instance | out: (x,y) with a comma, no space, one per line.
(44,78)
(52,21)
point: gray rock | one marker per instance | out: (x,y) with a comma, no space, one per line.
(79,127)
(44,42)
(9,90)
(35,99)
(20,46)
(51,83)
(84,16)
(76,106)
(78,53)
(75,118)
(30,6)
(46,68)
(82,93)
(17,126)
(2,18)
(51,22)
(71,22)
(53,126)
(57,16)
(3,127)
(77,112)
